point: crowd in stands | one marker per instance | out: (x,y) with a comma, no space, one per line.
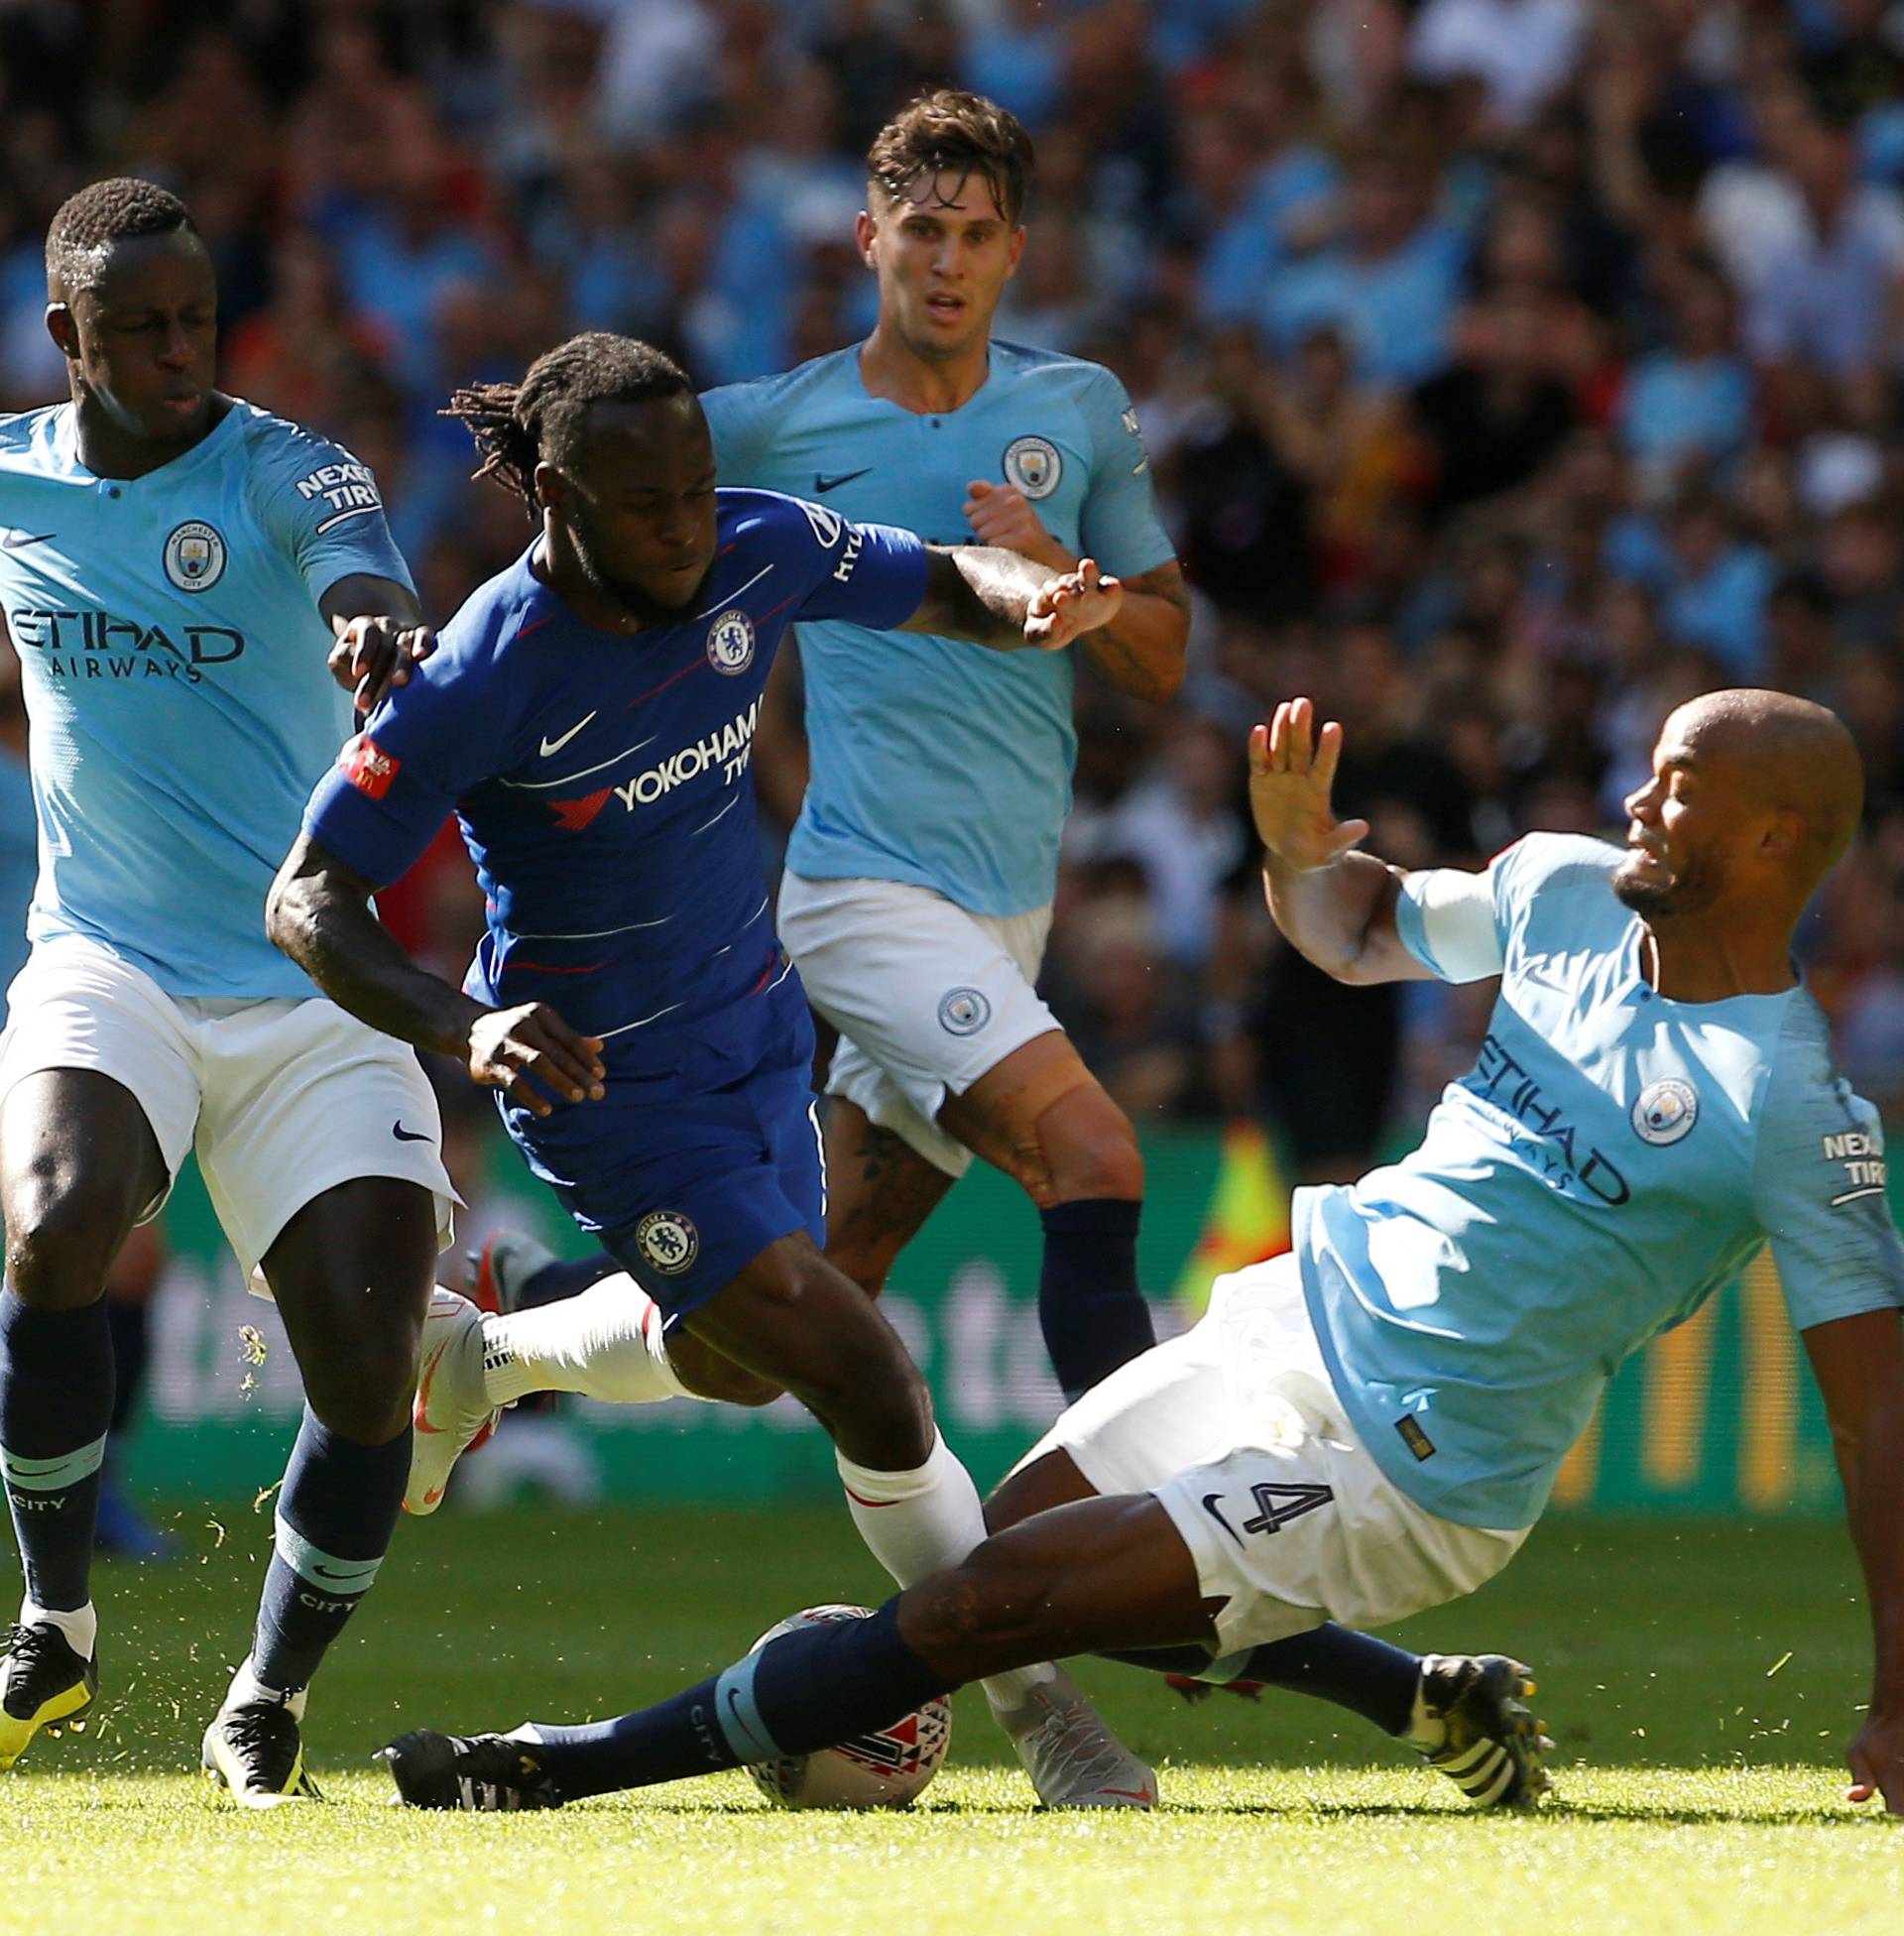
(1511,370)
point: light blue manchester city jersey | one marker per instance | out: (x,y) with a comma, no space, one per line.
(931,763)
(173,655)
(1609,1162)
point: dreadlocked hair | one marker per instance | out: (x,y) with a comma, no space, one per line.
(517,425)
(85,225)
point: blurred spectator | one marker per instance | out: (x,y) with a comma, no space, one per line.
(1509,371)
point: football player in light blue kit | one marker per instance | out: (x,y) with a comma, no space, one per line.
(184,577)
(917,896)
(1368,1427)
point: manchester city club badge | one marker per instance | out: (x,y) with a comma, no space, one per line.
(1666,1111)
(194,557)
(1033,465)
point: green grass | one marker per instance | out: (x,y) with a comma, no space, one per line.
(1699,1773)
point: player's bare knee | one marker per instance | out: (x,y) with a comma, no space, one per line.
(1097,1157)
(365,1414)
(60,1241)
(362,1382)
(865,1264)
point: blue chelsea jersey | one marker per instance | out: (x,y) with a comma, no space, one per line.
(929,764)
(603,782)
(1611,1160)
(173,661)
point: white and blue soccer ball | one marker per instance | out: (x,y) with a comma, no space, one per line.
(888,1768)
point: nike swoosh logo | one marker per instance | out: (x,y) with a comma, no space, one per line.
(408,1136)
(555,746)
(824,484)
(324,1573)
(18,541)
(420,1410)
(1210,1507)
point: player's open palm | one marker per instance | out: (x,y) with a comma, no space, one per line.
(1071,604)
(1292,773)
(532,1053)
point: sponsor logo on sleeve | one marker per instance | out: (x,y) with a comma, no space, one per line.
(1033,465)
(347,490)
(368,767)
(1862,1156)
(196,556)
(1664,1112)
(828,525)
(1130,421)
(667,1240)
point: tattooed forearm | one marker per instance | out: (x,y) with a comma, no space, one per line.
(1140,651)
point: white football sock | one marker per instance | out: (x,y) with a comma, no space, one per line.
(918,1522)
(81,1624)
(605,1342)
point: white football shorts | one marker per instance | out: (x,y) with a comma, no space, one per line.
(1236,1428)
(282,1099)
(926,997)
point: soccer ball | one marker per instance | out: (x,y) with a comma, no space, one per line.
(885,1769)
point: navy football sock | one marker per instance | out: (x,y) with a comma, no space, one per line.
(130,1326)
(56,1407)
(336,1515)
(1354,1671)
(1332,1664)
(566,1278)
(1090,1305)
(805,1691)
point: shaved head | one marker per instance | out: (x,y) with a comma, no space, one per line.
(1791,757)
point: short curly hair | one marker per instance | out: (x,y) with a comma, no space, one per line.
(118,209)
(949,131)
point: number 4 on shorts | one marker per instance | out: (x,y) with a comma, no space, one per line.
(1277,1504)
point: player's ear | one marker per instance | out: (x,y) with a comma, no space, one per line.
(866,235)
(553,488)
(63,330)
(1014,251)
(1784,835)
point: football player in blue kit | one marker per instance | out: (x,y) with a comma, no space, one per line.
(178,569)
(917,895)
(1368,1427)
(589,716)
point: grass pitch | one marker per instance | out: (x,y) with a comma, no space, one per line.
(1702,1682)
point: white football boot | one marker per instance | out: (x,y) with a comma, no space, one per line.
(1074,1761)
(452,1412)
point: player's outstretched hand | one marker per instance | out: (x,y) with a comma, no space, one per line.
(374,654)
(1072,603)
(509,1046)
(1876,1761)
(1002,515)
(1293,768)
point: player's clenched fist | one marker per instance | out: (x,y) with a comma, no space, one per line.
(374,654)
(1293,768)
(1072,603)
(1002,515)
(508,1046)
